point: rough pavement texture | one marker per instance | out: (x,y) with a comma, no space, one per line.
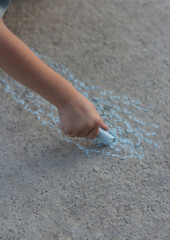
(50,189)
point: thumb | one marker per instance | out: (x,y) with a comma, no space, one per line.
(103,125)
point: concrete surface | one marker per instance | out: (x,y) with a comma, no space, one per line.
(51,187)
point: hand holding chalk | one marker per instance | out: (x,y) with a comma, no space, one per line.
(79,117)
(105,137)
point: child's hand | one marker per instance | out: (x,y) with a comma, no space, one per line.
(79,118)
(78,115)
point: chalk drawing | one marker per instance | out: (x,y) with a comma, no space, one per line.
(121,114)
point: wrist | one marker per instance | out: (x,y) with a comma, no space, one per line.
(64,92)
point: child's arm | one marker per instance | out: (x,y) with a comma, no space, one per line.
(78,115)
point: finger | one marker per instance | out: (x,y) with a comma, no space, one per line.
(74,134)
(81,134)
(84,133)
(66,131)
(103,125)
(88,130)
(93,133)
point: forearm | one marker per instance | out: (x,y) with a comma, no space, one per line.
(23,65)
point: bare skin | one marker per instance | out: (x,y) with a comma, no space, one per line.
(78,115)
